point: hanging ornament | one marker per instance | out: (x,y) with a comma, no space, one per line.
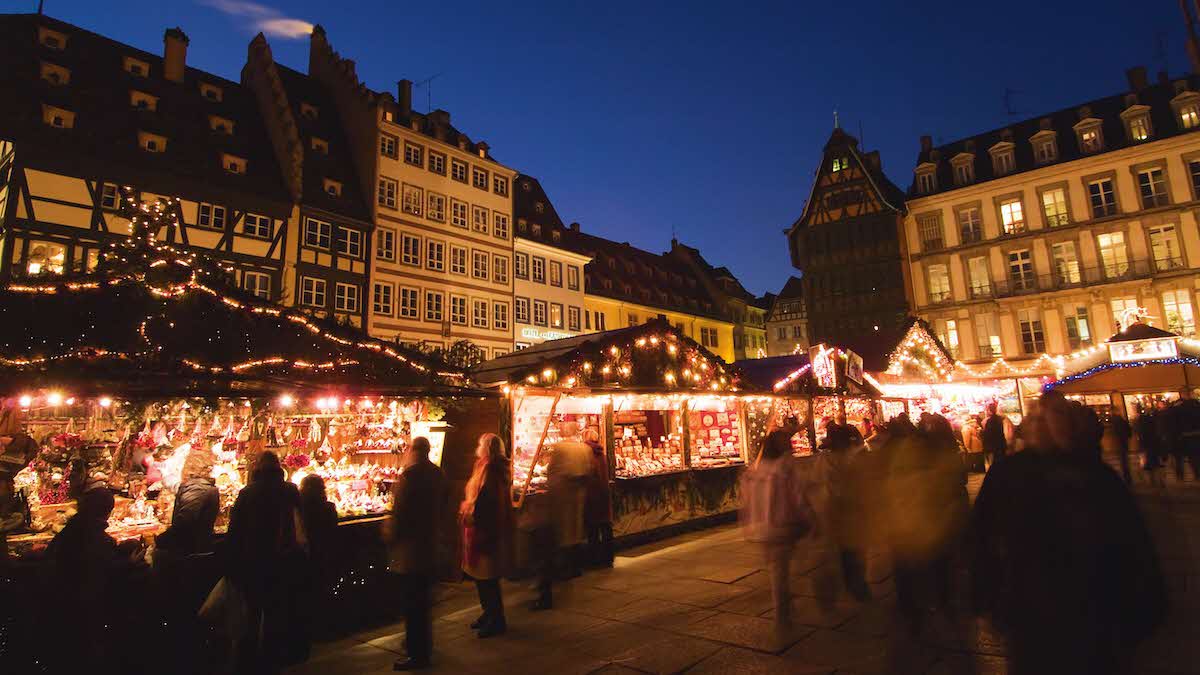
(243,434)
(160,434)
(272,434)
(314,432)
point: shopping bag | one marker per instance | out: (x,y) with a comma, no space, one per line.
(226,609)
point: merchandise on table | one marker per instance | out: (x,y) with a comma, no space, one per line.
(536,425)
(645,443)
(715,433)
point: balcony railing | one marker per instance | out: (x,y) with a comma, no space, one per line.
(1060,280)
(936,297)
(979,291)
(971,236)
(1058,220)
(1169,264)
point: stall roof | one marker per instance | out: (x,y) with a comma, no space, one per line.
(1141,331)
(155,320)
(764,373)
(652,356)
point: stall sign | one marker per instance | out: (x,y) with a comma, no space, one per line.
(854,367)
(1142,350)
(1096,399)
(436,436)
(535,334)
(823,367)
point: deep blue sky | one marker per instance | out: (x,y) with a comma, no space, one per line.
(709,117)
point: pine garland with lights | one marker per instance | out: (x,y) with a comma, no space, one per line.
(921,352)
(154,310)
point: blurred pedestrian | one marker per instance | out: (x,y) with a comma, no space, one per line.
(925,510)
(597,510)
(1145,429)
(844,506)
(1121,434)
(487,527)
(320,520)
(265,560)
(412,534)
(994,435)
(1061,560)
(567,475)
(776,513)
(840,435)
(1185,425)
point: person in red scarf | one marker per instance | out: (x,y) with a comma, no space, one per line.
(487,524)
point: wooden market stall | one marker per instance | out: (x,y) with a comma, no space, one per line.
(119,376)
(669,413)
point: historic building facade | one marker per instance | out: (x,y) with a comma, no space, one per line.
(1046,236)
(787,320)
(87,117)
(442,267)
(847,245)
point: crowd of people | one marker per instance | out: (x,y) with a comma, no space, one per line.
(1056,550)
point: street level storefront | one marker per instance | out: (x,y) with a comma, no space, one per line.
(670,415)
(123,376)
(1135,369)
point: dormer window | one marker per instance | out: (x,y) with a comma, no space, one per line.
(389,116)
(143,101)
(333,187)
(1189,115)
(840,164)
(51,39)
(211,92)
(309,111)
(1003,162)
(152,142)
(233,163)
(1045,147)
(136,67)
(320,145)
(1091,138)
(220,124)
(1137,123)
(926,178)
(964,168)
(57,117)
(55,74)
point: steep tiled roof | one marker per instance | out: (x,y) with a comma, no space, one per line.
(104,140)
(617,270)
(337,164)
(1163,121)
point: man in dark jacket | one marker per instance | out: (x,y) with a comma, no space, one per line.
(412,535)
(1121,433)
(995,441)
(840,435)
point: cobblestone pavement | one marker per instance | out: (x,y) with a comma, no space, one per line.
(700,603)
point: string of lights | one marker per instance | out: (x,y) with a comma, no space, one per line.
(1175,361)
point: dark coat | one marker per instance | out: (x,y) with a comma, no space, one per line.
(321,528)
(841,436)
(418,498)
(262,540)
(488,529)
(597,509)
(196,504)
(994,440)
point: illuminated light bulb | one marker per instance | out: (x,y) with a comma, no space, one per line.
(26,401)
(246,404)
(606,370)
(286,401)
(614,351)
(532,379)
(54,398)
(547,373)
(587,366)
(105,402)
(346,402)
(71,401)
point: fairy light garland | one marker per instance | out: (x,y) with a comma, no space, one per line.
(919,349)
(1174,361)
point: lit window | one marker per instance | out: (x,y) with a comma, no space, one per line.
(458,310)
(143,101)
(258,284)
(1033,340)
(349,242)
(136,67)
(539,312)
(987,335)
(386,195)
(1121,309)
(220,124)
(388,145)
(233,164)
(1177,305)
(152,142)
(45,258)
(479,219)
(255,225)
(55,74)
(939,283)
(1139,128)
(1090,141)
(345,298)
(317,233)
(1012,216)
(211,216)
(556,315)
(1066,264)
(1113,254)
(840,164)
(110,197)
(573,318)
(211,92)
(410,250)
(312,292)
(385,244)
(381,298)
(414,200)
(1164,247)
(57,117)
(433,306)
(1054,206)
(458,214)
(1189,116)
(437,207)
(572,278)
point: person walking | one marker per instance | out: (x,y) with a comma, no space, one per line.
(1145,429)
(412,534)
(1121,433)
(845,516)
(1187,429)
(775,514)
(487,529)
(1060,557)
(265,560)
(926,512)
(566,473)
(994,436)
(597,510)
(840,435)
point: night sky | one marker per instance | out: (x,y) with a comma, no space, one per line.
(706,117)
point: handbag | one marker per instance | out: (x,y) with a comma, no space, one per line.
(226,608)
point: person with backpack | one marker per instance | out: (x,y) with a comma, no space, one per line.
(776,513)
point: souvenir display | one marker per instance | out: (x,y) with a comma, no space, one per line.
(644,443)
(715,436)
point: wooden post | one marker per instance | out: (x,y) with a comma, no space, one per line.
(538,453)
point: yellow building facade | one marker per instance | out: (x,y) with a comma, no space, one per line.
(1032,242)
(613,313)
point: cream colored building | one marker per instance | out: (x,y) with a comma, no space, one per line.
(548,297)
(442,256)
(787,321)
(1044,237)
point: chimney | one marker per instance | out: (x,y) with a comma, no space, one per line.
(175,44)
(574,227)
(872,159)
(405,98)
(926,143)
(1137,78)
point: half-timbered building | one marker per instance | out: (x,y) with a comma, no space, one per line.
(846,243)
